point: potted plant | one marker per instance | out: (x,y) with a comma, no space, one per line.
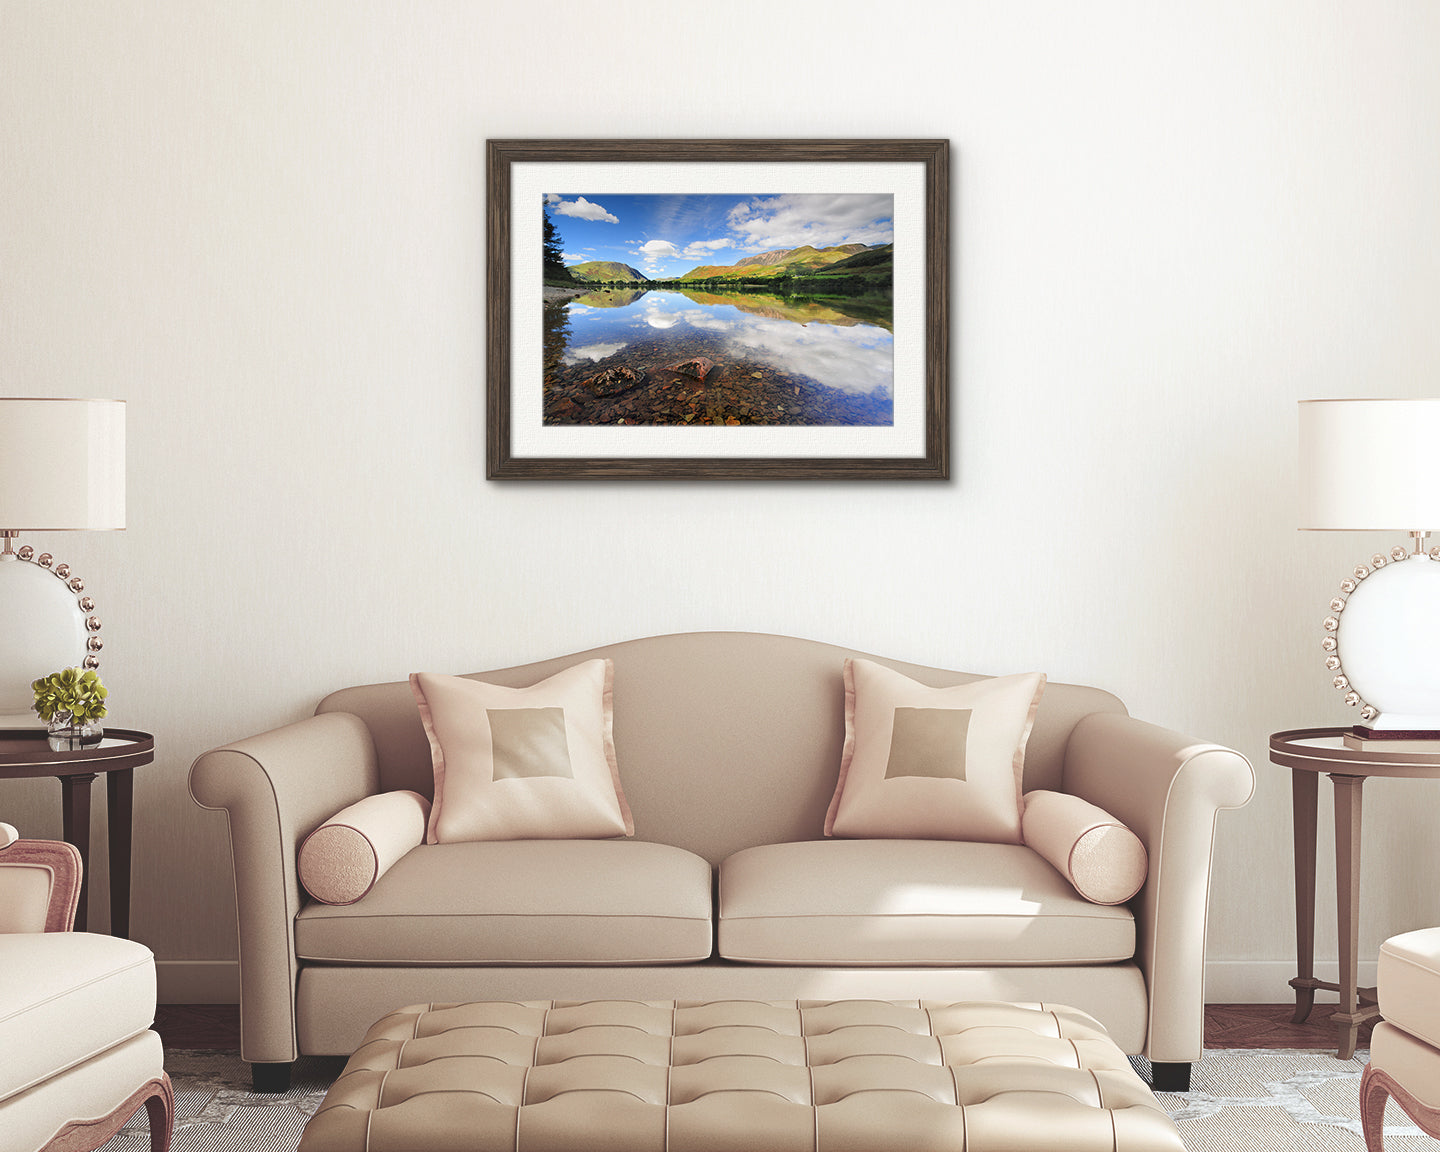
(72,704)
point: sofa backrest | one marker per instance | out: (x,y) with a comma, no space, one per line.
(724,740)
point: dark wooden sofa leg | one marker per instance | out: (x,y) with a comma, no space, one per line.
(270,1077)
(1168,1077)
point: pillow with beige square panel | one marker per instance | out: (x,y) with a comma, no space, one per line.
(534,763)
(932,763)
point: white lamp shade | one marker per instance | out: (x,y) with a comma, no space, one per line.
(1369,464)
(62,464)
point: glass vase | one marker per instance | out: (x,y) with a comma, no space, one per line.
(66,734)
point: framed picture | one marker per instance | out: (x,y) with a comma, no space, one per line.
(717,309)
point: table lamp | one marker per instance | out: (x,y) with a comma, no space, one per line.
(1371,465)
(62,467)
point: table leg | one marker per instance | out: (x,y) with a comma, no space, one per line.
(75,821)
(1347,908)
(1304,790)
(119,809)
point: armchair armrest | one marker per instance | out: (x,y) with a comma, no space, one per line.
(39,884)
(274,788)
(1166,788)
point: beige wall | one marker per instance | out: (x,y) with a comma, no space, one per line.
(262,225)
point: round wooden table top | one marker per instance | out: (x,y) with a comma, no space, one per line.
(1325,750)
(27,752)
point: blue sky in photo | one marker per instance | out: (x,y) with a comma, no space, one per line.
(665,236)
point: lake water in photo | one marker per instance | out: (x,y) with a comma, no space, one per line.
(701,356)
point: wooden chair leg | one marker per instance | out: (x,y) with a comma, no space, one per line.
(1373,1095)
(160,1110)
(1377,1084)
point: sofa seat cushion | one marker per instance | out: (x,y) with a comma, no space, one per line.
(65,997)
(910,902)
(522,902)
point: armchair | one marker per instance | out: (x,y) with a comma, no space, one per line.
(79,1058)
(1405,1046)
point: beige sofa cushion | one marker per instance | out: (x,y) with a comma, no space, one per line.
(910,902)
(522,902)
(66,996)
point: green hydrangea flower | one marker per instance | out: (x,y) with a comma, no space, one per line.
(71,693)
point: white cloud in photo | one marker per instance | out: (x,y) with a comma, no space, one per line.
(700,318)
(821,220)
(553,197)
(699,249)
(584,209)
(592,352)
(859,360)
(572,258)
(652,252)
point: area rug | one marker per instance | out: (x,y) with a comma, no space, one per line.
(1264,1099)
(1246,1100)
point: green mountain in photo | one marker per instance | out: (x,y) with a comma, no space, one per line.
(880,258)
(604,270)
(805,261)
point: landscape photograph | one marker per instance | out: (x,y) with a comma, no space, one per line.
(718,309)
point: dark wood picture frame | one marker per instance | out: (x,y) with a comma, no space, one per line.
(502,464)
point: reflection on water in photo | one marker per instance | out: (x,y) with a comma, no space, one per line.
(648,356)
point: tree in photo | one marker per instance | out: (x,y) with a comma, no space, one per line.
(555,270)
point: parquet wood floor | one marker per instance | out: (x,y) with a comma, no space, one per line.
(211,1026)
(1269,1026)
(217,1026)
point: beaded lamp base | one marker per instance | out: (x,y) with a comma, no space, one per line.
(47,621)
(1382,639)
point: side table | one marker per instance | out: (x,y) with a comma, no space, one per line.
(1308,752)
(25,752)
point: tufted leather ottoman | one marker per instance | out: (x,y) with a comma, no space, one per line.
(738,1076)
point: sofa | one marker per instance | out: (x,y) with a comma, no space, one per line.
(728,745)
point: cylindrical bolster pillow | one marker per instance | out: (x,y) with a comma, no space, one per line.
(343,858)
(1102,859)
(8,835)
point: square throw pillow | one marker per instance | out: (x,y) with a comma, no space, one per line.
(533,763)
(925,763)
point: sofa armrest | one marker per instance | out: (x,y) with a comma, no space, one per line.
(1167,789)
(274,788)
